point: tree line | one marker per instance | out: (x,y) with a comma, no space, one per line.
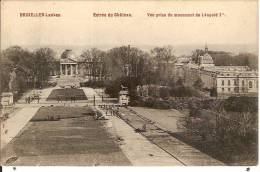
(32,68)
(124,65)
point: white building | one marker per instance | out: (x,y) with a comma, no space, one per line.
(206,60)
(237,82)
(68,63)
(227,80)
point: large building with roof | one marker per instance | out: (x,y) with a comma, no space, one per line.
(89,68)
(68,63)
(226,80)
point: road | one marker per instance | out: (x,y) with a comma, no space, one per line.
(154,119)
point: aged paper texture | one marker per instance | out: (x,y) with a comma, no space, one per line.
(129,83)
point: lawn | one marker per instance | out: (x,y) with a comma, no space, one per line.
(75,139)
(61,112)
(67,94)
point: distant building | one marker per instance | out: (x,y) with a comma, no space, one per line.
(68,63)
(227,80)
(237,82)
(206,60)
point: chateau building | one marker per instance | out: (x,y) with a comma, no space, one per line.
(89,68)
(68,63)
(227,80)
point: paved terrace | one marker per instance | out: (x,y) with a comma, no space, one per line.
(157,127)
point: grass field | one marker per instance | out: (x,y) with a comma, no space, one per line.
(66,94)
(75,139)
(62,112)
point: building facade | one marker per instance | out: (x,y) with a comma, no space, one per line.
(227,80)
(233,82)
(90,69)
(68,64)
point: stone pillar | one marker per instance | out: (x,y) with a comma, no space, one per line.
(66,69)
(61,69)
(77,69)
(71,71)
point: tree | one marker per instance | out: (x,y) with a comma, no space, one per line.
(179,83)
(19,59)
(129,66)
(162,56)
(94,62)
(195,55)
(43,63)
(32,69)
(198,84)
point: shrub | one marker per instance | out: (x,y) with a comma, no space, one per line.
(183,91)
(241,104)
(161,104)
(95,84)
(198,84)
(164,92)
(149,102)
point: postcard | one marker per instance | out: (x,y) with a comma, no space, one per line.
(129,83)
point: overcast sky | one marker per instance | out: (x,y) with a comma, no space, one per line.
(78,27)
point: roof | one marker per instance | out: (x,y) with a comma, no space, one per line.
(68,60)
(206,59)
(68,54)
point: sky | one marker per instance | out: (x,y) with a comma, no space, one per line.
(77,27)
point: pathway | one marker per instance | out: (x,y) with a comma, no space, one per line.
(12,126)
(137,148)
(181,151)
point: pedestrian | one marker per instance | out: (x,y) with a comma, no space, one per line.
(29,99)
(38,99)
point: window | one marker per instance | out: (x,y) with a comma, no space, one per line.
(223,82)
(228,89)
(223,89)
(250,84)
(235,82)
(228,82)
(243,82)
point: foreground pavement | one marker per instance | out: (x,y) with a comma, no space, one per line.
(12,126)
(137,148)
(184,153)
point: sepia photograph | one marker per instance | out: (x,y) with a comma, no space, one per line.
(129,83)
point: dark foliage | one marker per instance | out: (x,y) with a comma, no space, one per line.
(241,104)
(93,84)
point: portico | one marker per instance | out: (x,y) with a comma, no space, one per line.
(68,67)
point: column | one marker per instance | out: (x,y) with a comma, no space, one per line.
(71,71)
(61,69)
(66,69)
(77,69)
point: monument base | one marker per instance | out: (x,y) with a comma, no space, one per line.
(7,102)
